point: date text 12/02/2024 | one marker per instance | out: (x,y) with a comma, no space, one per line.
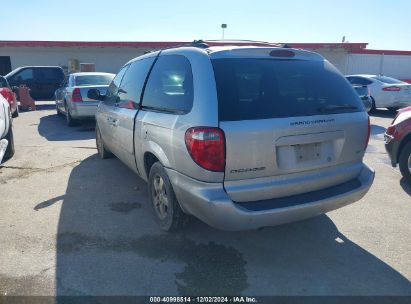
(203,300)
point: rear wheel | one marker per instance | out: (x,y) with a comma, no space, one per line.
(102,150)
(69,120)
(167,210)
(58,110)
(405,162)
(10,147)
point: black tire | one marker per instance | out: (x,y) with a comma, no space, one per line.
(101,148)
(16,113)
(58,111)
(71,122)
(173,219)
(10,147)
(373,107)
(404,162)
(392,110)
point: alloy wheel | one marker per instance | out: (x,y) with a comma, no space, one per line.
(160,197)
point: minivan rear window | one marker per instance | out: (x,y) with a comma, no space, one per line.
(251,89)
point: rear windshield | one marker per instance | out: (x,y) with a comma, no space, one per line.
(388,80)
(268,88)
(86,80)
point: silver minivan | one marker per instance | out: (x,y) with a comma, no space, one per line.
(239,137)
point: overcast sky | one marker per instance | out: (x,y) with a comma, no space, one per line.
(383,24)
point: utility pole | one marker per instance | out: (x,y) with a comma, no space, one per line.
(223,27)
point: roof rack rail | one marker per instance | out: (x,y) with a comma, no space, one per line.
(242,41)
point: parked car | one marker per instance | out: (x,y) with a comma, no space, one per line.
(239,137)
(398,142)
(363,92)
(386,92)
(72,100)
(9,95)
(43,81)
(6,131)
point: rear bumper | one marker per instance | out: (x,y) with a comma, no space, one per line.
(210,203)
(83,110)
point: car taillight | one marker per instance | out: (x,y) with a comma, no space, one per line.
(392,89)
(368,134)
(76,96)
(206,146)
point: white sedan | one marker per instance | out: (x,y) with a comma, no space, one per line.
(6,132)
(386,92)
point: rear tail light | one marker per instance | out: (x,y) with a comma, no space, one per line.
(206,147)
(392,89)
(368,134)
(76,96)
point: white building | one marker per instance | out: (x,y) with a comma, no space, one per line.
(350,58)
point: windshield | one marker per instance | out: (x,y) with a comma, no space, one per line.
(86,80)
(267,88)
(388,80)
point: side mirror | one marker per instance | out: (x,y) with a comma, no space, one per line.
(95,94)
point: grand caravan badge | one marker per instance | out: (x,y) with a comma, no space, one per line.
(311,122)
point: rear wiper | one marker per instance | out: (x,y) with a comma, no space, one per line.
(330,108)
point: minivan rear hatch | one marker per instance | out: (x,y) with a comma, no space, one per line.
(292,124)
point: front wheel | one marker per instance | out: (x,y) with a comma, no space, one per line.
(102,150)
(167,210)
(10,147)
(405,162)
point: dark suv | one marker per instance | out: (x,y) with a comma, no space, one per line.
(42,80)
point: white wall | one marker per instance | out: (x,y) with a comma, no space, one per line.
(106,59)
(397,66)
(338,57)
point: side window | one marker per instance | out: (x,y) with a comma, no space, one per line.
(366,81)
(350,80)
(170,85)
(49,74)
(111,95)
(133,82)
(3,82)
(354,80)
(24,75)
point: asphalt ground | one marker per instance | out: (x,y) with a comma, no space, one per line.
(73,224)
